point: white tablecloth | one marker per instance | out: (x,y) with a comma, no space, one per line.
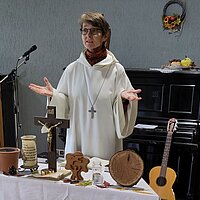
(26,188)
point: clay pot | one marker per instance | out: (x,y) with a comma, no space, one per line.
(9,157)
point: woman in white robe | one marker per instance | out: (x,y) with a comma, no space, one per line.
(91,93)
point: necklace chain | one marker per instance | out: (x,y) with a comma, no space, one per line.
(92,110)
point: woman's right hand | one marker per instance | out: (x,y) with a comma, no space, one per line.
(46,90)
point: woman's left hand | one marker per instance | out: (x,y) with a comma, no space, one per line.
(131,94)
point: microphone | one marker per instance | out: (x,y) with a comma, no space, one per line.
(33,48)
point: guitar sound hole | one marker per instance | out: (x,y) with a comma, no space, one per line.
(161,181)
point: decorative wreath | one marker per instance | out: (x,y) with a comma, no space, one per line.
(173,22)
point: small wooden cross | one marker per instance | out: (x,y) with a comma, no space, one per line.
(92,111)
(51,123)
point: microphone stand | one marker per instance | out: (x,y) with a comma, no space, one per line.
(14,76)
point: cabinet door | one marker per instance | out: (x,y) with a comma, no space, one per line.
(181,98)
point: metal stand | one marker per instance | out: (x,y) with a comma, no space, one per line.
(14,76)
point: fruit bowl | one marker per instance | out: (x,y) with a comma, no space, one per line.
(184,64)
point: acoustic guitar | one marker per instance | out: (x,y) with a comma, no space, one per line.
(162,177)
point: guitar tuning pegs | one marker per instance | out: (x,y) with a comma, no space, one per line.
(172,125)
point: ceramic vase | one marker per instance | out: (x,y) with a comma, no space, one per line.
(29,151)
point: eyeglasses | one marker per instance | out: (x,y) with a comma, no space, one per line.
(93,31)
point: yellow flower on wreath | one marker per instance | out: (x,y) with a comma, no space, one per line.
(171,21)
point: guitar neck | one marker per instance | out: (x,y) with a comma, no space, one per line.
(166,155)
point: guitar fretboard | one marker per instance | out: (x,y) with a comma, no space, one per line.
(166,155)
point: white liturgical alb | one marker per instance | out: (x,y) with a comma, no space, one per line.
(82,87)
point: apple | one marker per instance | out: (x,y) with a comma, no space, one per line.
(186,62)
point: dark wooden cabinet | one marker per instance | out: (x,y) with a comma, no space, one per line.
(174,94)
(167,95)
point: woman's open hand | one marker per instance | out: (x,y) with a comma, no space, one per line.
(131,94)
(46,90)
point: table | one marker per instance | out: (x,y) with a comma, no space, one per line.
(23,188)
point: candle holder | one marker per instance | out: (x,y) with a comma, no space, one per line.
(29,152)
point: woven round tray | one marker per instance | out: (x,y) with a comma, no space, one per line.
(126,167)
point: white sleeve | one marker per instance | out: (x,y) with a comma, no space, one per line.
(59,100)
(124,122)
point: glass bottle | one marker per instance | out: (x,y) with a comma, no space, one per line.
(97,177)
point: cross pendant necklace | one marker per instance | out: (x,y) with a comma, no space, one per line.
(92,110)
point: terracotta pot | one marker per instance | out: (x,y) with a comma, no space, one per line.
(9,157)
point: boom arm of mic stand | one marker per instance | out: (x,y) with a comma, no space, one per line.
(13,72)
